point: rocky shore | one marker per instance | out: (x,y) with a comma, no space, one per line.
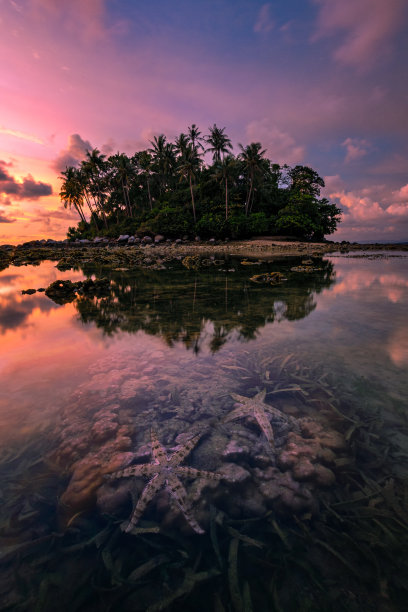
(158,246)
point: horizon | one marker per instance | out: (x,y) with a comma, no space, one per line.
(320,84)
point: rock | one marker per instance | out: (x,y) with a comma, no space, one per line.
(137,240)
(185,238)
(212,241)
(323,476)
(104,429)
(28,291)
(84,241)
(147,240)
(158,238)
(303,470)
(123,238)
(110,498)
(178,241)
(131,240)
(197,239)
(234,473)
(234,451)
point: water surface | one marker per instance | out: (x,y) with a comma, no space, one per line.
(83,385)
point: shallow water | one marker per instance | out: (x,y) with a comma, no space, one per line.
(321,507)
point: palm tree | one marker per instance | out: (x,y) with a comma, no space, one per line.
(71,191)
(219,142)
(94,167)
(163,158)
(194,136)
(143,159)
(189,165)
(122,173)
(224,171)
(181,144)
(253,163)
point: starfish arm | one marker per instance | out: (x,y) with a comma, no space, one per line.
(260,397)
(189,472)
(145,469)
(179,493)
(265,425)
(238,413)
(150,490)
(241,399)
(182,453)
(158,450)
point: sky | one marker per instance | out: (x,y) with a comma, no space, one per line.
(318,82)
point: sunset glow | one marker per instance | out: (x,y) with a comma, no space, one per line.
(320,83)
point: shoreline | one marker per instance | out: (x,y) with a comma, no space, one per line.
(114,250)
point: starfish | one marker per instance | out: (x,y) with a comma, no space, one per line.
(255,407)
(164,471)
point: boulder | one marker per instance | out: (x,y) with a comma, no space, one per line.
(123,238)
(131,240)
(197,239)
(158,238)
(147,240)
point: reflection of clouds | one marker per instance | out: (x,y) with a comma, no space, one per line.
(398,347)
(15,308)
(14,311)
(393,287)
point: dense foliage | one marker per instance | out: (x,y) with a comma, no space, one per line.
(168,189)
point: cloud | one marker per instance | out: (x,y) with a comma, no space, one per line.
(76,16)
(373,217)
(368,27)
(73,154)
(264,22)
(22,135)
(28,188)
(5,219)
(281,147)
(356,148)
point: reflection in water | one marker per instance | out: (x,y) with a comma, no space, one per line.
(178,306)
(319,503)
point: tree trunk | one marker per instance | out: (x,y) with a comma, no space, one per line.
(192,199)
(148,191)
(226,199)
(249,198)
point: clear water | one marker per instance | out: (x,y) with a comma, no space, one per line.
(314,520)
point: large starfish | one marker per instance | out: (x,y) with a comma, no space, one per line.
(165,471)
(255,407)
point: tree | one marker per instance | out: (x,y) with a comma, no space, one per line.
(122,172)
(144,160)
(189,166)
(194,136)
(253,163)
(219,142)
(93,169)
(71,191)
(305,180)
(225,171)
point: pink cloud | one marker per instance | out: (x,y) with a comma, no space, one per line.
(281,146)
(79,16)
(356,148)
(371,217)
(73,154)
(368,27)
(264,22)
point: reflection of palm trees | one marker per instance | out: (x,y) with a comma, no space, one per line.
(179,307)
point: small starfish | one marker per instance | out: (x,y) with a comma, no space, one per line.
(255,407)
(165,471)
